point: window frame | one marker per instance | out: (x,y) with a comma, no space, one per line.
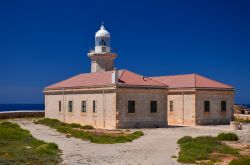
(60,106)
(70,106)
(131,106)
(104,49)
(94,106)
(84,106)
(153,106)
(206,106)
(223,106)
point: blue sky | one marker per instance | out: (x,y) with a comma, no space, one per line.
(45,41)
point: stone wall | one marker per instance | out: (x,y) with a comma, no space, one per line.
(104,117)
(183,112)
(142,116)
(21,114)
(242,117)
(112,107)
(241,109)
(215,115)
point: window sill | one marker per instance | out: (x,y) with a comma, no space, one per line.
(83,114)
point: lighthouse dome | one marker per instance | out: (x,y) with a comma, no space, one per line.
(102,32)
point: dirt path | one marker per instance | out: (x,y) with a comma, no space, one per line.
(155,147)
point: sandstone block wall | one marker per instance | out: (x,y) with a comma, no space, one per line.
(104,117)
(142,116)
(215,116)
(102,65)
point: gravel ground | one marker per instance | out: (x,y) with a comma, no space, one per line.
(155,147)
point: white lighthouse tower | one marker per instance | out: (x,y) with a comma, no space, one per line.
(101,58)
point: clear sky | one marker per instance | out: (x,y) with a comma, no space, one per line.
(45,41)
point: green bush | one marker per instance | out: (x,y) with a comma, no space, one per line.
(227,137)
(184,139)
(50,122)
(74,125)
(18,146)
(241,161)
(70,131)
(12,132)
(199,148)
(242,120)
(88,127)
(49,148)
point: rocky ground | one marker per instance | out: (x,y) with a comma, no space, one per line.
(157,146)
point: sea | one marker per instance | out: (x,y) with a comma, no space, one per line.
(247,105)
(21,107)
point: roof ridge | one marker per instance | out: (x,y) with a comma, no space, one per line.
(142,77)
(157,81)
(123,71)
(175,75)
(148,78)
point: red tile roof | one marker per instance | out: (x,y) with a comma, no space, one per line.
(190,81)
(104,79)
(132,79)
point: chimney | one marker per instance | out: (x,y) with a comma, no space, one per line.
(115,76)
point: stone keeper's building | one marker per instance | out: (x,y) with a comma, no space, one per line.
(110,98)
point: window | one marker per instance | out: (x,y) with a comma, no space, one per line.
(171,105)
(70,106)
(206,106)
(153,106)
(103,49)
(131,106)
(94,106)
(60,105)
(223,106)
(84,106)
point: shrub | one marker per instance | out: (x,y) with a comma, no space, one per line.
(87,127)
(227,137)
(50,122)
(47,148)
(199,148)
(74,125)
(70,131)
(12,132)
(242,120)
(240,161)
(185,139)
(18,146)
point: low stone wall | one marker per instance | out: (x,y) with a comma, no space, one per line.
(241,116)
(213,121)
(21,114)
(142,124)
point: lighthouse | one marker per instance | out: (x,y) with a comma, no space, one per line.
(102,59)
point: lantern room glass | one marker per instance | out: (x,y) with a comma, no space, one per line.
(102,41)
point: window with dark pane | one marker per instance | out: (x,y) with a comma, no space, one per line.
(206,106)
(131,106)
(60,105)
(153,106)
(223,106)
(70,106)
(84,108)
(171,105)
(94,106)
